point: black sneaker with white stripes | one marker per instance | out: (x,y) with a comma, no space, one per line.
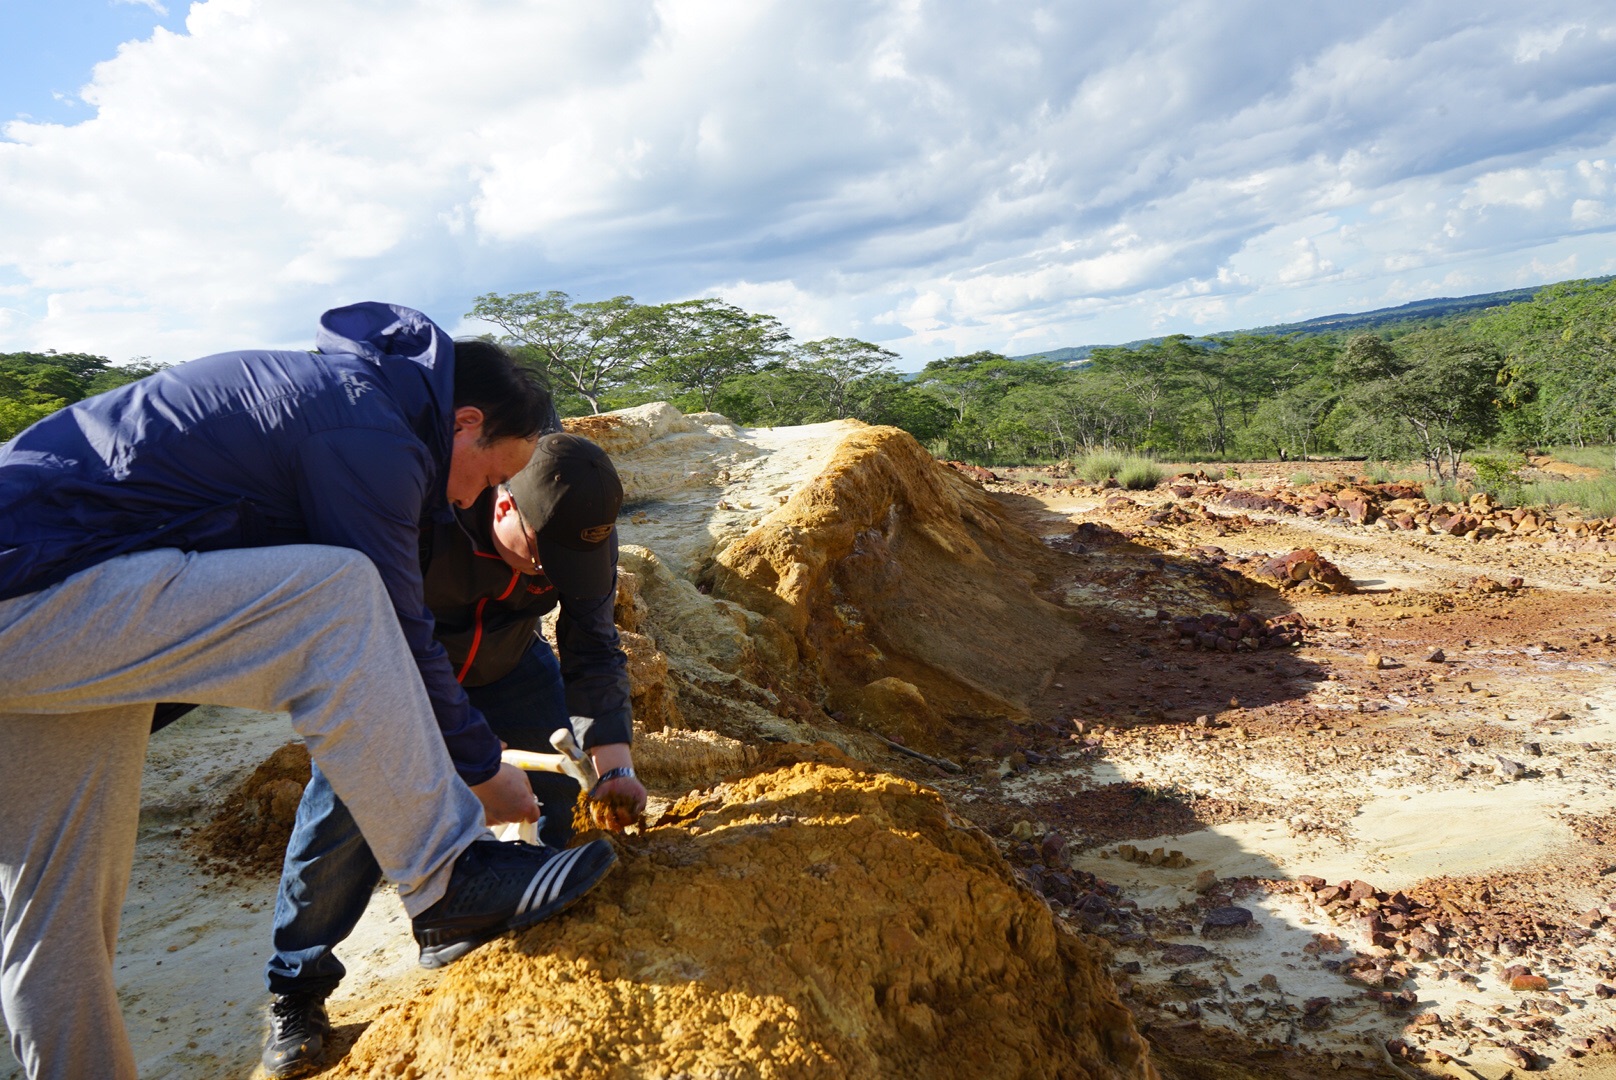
(497,886)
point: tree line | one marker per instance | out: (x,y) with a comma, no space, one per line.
(1531,373)
(1423,389)
(34,385)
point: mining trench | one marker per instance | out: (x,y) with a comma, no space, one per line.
(1201,806)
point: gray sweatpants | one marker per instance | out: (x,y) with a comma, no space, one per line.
(308,630)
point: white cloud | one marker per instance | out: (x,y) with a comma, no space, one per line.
(932,175)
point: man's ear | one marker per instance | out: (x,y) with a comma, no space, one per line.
(468,418)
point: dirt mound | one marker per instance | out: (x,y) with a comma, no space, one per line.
(888,565)
(812,920)
(250,830)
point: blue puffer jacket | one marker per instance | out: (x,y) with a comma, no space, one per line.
(347,446)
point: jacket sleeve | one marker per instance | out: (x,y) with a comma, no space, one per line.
(593,666)
(365,489)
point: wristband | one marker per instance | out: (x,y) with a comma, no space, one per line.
(615,774)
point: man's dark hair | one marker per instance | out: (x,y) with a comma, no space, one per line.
(515,402)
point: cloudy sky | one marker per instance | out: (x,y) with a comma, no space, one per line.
(939,176)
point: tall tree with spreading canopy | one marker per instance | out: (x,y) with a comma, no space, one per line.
(1438,386)
(589,348)
(702,343)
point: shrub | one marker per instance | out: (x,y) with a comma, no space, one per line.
(1302,478)
(1138,474)
(1499,475)
(1097,465)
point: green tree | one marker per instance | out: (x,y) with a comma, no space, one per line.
(700,344)
(1438,386)
(839,369)
(588,348)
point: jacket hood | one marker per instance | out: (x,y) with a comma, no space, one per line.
(413,354)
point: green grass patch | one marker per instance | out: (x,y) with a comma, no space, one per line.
(1139,474)
(1593,498)
(1444,493)
(1591,457)
(1301,478)
(1099,465)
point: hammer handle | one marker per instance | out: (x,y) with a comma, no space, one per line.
(528,761)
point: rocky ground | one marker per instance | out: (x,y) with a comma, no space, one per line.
(1315,780)
(1394,832)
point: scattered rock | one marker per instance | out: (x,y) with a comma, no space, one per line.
(1231,921)
(1306,566)
(1184,954)
(1521,1058)
(1510,770)
(1437,657)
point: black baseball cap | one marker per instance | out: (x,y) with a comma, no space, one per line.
(569,494)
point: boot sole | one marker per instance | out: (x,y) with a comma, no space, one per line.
(440,956)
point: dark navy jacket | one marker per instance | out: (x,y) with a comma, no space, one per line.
(347,446)
(487,615)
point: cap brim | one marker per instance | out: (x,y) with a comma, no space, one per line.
(581,574)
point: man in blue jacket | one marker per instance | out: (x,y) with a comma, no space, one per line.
(243,530)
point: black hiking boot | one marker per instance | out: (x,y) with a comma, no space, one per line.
(498,886)
(297,1029)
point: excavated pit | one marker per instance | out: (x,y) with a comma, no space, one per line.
(813,919)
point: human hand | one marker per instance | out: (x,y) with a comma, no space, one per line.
(617,803)
(507,796)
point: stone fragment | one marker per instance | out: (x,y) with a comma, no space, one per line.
(1360,890)
(1374,660)
(1313,883)
(1206,881)
(1184,954)
(1225,922)
(1592,919)
(1509,770)
(1437,657)
(1521,1058)
(1523,984)
(1307,565)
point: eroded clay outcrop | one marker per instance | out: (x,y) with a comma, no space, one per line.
(888,565)
(814,919)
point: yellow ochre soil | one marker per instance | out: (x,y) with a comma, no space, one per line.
(814,919)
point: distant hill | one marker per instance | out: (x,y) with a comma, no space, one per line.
(1435,308)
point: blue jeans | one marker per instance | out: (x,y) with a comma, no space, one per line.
(329,871)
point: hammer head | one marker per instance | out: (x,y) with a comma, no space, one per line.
(581,769)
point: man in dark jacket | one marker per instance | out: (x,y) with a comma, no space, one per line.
(491,573)
(244,530)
